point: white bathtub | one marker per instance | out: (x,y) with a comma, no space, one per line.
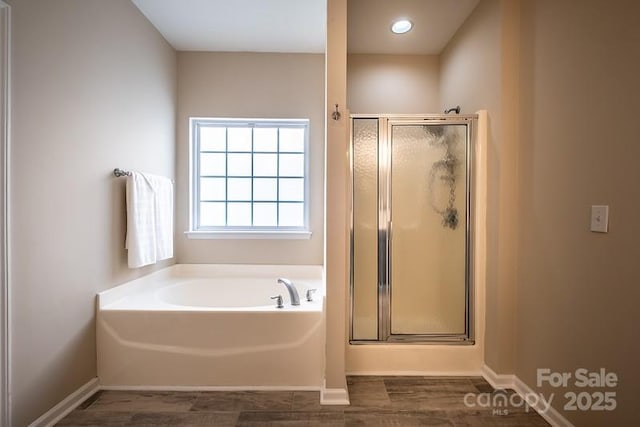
(212,326)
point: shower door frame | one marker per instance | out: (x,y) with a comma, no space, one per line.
(385,228)
(5,136)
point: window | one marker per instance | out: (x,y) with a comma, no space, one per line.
(249,176)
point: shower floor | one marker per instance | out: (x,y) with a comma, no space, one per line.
(389,401)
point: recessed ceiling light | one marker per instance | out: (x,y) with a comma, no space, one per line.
(401,26)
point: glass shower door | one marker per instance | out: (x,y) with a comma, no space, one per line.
(364,245)
(410,239)
(427,236)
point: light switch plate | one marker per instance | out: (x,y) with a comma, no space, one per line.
(600,219)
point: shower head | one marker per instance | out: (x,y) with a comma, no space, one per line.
(456,109)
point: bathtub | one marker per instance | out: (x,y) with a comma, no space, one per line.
(212,326)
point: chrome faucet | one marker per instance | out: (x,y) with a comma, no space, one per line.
(293,292)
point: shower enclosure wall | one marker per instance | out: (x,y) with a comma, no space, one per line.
(410,231)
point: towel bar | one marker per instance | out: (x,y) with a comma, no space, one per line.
(119,172)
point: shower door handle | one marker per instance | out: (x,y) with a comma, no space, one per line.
(388,245)
(389,241)
(384,296)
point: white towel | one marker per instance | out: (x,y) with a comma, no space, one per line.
(149,219)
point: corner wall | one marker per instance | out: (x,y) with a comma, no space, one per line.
(476,73)
(336,205)
(578,293)
(88,96)
(251,85)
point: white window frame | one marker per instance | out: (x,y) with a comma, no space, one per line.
(197,231)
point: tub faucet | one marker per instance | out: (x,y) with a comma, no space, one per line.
(293,292)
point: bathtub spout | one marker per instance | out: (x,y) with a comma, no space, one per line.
(293,292)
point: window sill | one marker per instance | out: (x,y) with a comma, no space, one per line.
(249,235)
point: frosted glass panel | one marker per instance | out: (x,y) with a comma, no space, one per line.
(428,208)
(291,165)
(265,139)
(239,139)
(212,214)
(265,214)
(213,139)
(239,189)
(292,139)
(291,214)
(239,164)
(291,190)
(265,165)
(265,189)
(365,229)
(239,214)
(213,189)
(213,164)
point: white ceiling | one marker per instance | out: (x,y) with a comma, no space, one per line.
(300,25)
(239,25)
(434,24)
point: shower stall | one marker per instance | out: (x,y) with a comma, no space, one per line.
(411,229)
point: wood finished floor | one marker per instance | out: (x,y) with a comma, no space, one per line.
(375,401)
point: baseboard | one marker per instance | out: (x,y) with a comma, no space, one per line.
(333,396)
(416,373)
(498,381)
(206,388)
(551,415)
(70,403)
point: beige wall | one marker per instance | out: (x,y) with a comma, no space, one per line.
(252,85)
(89,95)
(474,74)
(578,293)
(336,190)
(393,84)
